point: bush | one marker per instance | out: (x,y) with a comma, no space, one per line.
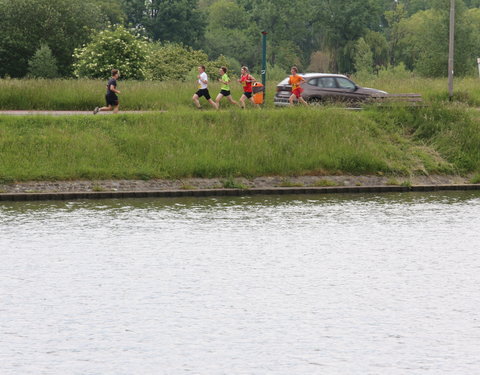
(172,61)
(113,48)
(43,64)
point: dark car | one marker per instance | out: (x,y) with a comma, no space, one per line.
(324,88)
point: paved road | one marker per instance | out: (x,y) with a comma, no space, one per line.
(65,113)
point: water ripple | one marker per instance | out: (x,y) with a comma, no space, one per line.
(360,284)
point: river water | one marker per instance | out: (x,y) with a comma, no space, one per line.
(359,284)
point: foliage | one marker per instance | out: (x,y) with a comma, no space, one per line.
(226,32)
(62,24)
(363,57)
(276,73)
(344,22)
(113,48)
(379,46)
(113,10)
(426,40)
(322,35)
(43,64)
(171,61)
(320,62)
(178,21)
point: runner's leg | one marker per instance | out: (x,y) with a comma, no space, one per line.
(219,97)
(195,100)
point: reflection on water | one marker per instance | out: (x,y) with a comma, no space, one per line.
(360,284)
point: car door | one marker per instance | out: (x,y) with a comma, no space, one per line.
(326,89)
(347,90)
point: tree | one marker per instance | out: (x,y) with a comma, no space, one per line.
(116,48)
(425,44)
(62,24)
(378,46)
(228,32)
(43,64)
(343,22)
(286,25)
(363,57)
(113,11)
(178,21)
(394,32)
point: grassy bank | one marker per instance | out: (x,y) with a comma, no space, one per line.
(292,141)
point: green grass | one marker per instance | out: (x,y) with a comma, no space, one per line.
(228,144)
(475,179)
(83,94)
(440,137)
(71,94)
(432,90)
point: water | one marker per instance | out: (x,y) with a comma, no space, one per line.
(361,284)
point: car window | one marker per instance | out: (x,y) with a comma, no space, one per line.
(313,81)
(327,83)
(345,84)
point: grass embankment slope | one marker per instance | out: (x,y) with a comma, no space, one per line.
(293,141)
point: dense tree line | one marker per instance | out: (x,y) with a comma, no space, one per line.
(329,35)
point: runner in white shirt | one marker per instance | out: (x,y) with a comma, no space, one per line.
(203,89)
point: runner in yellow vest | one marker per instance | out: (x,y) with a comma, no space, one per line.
(225,89)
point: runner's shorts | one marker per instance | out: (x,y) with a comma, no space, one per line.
(203,92)
(297,92)
(225,92)
(111,99)
(247,94)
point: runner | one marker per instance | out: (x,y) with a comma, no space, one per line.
(203,89)
(246,80)
(111,98)
(296,80)
(225,89)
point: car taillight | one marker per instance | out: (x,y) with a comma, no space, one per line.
(283,88)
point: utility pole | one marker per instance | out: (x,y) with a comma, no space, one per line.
(451,49)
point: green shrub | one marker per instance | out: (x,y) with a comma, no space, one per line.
(116,48)
(171,61)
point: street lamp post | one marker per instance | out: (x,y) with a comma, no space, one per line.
(451,49)
(264,58)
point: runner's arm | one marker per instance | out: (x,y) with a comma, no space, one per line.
(112,88)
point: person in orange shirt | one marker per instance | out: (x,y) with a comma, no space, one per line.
(296,81)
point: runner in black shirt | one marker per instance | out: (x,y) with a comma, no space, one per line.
(111,98)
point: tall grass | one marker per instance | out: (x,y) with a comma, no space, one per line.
(186,143)
(436,90)
(65,94)
(70,94)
